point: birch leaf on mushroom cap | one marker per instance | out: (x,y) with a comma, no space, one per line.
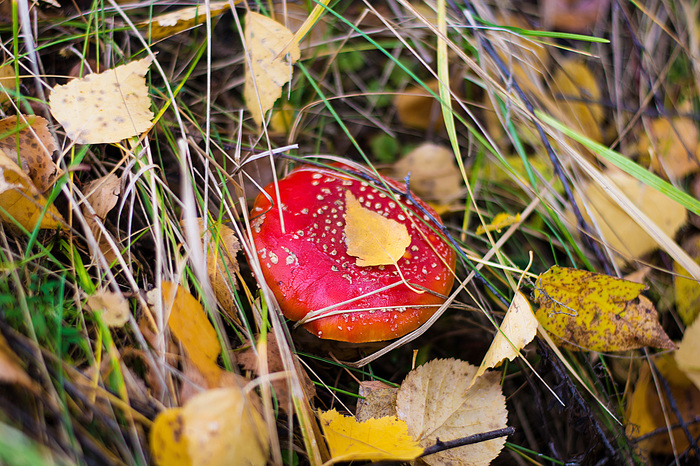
(309,268)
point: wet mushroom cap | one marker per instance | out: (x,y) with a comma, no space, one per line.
(308,267)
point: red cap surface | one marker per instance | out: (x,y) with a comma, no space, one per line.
(308,268)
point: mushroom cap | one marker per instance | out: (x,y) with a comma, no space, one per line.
(308,268)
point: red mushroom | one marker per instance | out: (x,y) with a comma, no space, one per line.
(309,269)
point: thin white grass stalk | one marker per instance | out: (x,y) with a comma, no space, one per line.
(33,57)
(304,413)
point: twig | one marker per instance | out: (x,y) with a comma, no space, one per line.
(460,442)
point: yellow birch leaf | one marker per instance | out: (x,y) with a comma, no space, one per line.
(596,312)
(8,81)
(686,290)
(435,402)
(434,173)
(500,221)
(113,306)
(267,72)
(29,140)
(192,328)
(105,107)
(21,201)
(372,238)
(381,439)
(172,23)
(578,87)
(518,328)
(688,354)
(621,231)
(644,412)
(673,146)
(215,427)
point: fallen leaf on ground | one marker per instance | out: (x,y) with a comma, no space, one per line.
(673,146)
(434,173)
(21,201)
(8,81)
(573,15)
(645,415)
(372,238)
(172,23)
(29,140)
(435,403)
(417,108)
(113,307)
(249,360)
(688,354)
(192,328)
(595,312)
(266,73)
(687,290)
(11,370)
(619,230)
(518,328)
(499,222)
(222,265)
(215,427)
(381,439)
(379,401)
(105,107)
(102,194)
(576,91)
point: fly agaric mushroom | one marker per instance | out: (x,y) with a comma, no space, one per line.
(316,280)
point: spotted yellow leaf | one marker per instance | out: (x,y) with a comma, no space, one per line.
(499,222)
(372,238)
(268,69)
(596,312)
(380,439)
(105,107)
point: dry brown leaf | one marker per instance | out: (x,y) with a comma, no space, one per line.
(113,307)
(435,403)
(222,265)
(215,427)
(575,90)
(372,238)
(619,230)
(644,413)
(417,108)
(102,194)
(249,360)
(11,370)
(265,39)
(434,173)
(573,15)
(518,328)
(673,146)
(21,201)
(8,81)
(378,403)
(105,107)
(172,23)
(688,354)
(29,140)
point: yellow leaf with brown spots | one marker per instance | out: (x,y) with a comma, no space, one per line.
(372,238)
(105,107)
(596,312)
(28,140)
(172,23)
